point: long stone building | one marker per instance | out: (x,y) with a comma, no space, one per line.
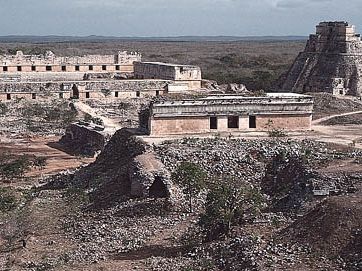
(91,76)
(49,62)
(331,62)
(230,113)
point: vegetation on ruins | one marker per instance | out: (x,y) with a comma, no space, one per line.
(106,92)
(57,112)
(95,120)
(192,178)
(13,167)
(7,200)
(229,203)
(3,109)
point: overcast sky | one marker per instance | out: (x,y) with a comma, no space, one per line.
(173,17)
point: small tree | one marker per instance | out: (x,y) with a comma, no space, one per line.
(226,205)
(192,178)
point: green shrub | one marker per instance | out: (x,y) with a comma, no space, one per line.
(277,133)
(192,178)
(227,204)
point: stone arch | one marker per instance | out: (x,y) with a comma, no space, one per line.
(158,189)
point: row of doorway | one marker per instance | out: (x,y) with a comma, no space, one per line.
(233,122)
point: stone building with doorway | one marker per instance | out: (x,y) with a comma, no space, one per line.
(49,62)
(120,76)
(184,77)
(231,114)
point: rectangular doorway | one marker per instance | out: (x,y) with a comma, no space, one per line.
(252,122)
(213,123)
(233,122)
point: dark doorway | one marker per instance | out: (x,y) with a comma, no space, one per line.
(104,67)
(64,68)
(233,122)
(33,96)
(75,93)
(213,123)
(252,122)
(8,96)
(87,95)
(158,189)
(5,69)
(19,68)
(33,68)
(116,94)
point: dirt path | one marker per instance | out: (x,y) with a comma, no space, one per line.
(318,121)
(48,147)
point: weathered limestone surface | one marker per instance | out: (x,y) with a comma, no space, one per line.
(331,62)
(83,140)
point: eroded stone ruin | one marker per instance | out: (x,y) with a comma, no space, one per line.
(331,62)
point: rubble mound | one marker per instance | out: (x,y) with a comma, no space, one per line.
(355,119)
(83,139)
(126,167)
(332,228)
(287,181)
(326,104)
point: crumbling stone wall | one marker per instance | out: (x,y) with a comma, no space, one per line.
(149,177)
(83,140)
(50,59)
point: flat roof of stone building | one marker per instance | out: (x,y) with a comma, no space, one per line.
(267,95)
(168,64)
(222,99)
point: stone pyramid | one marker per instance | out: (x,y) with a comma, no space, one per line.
(331,62)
